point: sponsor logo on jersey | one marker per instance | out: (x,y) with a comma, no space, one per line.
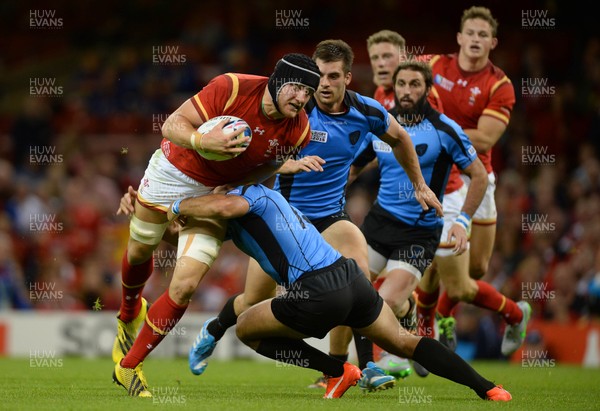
(381,147)
(443,82)
(318,136)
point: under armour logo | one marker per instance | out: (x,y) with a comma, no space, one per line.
(462,82)
(258,130)
(149,346)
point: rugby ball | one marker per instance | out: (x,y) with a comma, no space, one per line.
(233,124)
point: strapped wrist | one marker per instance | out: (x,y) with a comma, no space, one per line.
(464,219)
(193,140)
(175,206)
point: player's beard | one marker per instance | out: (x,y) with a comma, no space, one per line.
(413,114)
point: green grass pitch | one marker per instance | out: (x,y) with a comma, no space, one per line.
(82,384)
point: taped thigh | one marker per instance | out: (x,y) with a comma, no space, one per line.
(404,266)
(376,260)
(145,232)
(200,247)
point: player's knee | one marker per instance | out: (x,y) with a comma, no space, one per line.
(242,330)
(478,269)
(457,293)
(394,302)
(244,304)
(181,291)
(138,253)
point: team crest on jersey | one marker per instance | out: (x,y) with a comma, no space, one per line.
(354,136)
(318,136)
(381,146)
(421,149)
(475,91)
(273,144)
(443,82)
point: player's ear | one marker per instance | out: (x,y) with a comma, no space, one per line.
(494,43)
(459,38)
(348,78)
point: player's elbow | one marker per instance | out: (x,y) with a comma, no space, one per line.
(483,146)
(167,127)
(477,173)
(228,207)
(174,123)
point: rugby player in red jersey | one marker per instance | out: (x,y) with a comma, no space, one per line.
(479,97)
(273,108)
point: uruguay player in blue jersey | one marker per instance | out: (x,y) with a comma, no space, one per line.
(341,121)
(328,290)
(402,237)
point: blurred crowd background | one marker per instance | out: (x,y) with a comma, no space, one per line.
(83,94)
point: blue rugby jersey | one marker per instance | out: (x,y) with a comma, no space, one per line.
(337,138)
(439,143)
(278,236)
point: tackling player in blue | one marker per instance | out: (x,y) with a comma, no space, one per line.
(329,290)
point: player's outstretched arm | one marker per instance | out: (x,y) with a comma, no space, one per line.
(404,151)
(306,164)
(461,229)
(218,206)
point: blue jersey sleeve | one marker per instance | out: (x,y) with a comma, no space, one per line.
(377,115)
(457,144)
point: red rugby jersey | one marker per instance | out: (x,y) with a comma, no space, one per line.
(466,96)
(239,95)
(385,97)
